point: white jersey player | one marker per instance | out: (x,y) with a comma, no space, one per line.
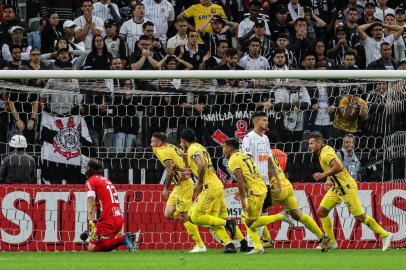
(256,144)
(259,148)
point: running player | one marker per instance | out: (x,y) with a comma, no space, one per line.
(251,187)
(210,201)
(341,188)
(180,199)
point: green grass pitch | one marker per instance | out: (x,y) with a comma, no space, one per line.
(284,259)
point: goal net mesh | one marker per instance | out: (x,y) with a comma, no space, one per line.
(66,122)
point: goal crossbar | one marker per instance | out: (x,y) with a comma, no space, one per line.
(204,74)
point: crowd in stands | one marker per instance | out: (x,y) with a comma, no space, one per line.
(203,35)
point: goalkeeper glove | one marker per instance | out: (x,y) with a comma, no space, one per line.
(92,230)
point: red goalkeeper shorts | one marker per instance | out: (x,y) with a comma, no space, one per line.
(109,228)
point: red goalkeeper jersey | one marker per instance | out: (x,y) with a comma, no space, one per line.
(107,202)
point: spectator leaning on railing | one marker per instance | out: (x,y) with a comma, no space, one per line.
(352,110)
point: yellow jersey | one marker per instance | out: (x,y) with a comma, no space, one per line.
(172,153)
(210,179)
(279,171)
(341,180)
(348,125)
(200,14)
(253,180)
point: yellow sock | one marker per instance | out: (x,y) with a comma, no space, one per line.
(176,214)
(375,227)
(328,228)
(208,220)
(265,234)
(193,232)
(265,220)
(311,225)
(220,233)
(238,234)
(253,233)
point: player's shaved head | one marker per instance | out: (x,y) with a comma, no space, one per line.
(233,143)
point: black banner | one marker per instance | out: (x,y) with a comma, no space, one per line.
(232,121)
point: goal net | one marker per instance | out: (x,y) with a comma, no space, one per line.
(68,121)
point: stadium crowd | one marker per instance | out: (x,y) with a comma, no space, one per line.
(201,35)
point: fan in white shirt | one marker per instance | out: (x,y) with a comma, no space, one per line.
(247,24)
(88,26)
(102,9)
(131,30)
(372,44)
(253,60)
(162,14)
(180,38)
(382,9)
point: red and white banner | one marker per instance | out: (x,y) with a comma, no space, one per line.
(38,217)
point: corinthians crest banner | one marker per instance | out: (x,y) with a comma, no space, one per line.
(65,141)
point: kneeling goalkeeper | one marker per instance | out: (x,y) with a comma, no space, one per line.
(106,231)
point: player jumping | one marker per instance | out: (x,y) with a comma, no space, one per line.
(341,188)
(106,231)
(180,199)
(210,208)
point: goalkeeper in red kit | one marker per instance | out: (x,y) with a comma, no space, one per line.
(105,232)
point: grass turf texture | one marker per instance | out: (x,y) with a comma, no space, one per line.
(285,259)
